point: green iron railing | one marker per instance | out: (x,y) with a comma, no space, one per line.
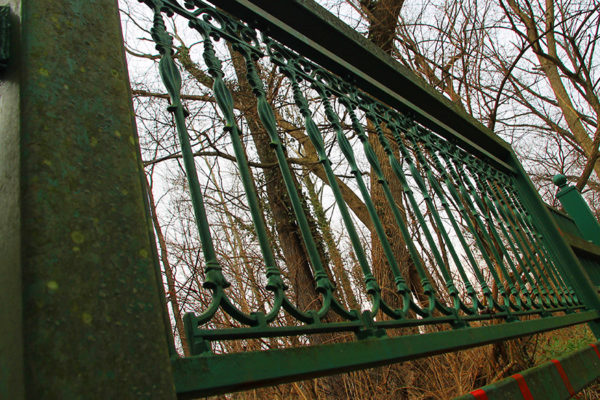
(484,250)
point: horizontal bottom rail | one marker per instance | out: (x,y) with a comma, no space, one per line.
(214,374)
(333,327)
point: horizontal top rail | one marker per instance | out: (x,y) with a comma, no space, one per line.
(315,33)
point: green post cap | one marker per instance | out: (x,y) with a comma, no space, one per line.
(559,180)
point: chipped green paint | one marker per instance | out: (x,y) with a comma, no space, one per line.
(93,316)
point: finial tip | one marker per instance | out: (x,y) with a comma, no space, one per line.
(559,180)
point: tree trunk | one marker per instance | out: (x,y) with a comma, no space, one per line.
(384,16)
(550,69)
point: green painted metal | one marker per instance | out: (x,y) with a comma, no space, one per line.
(448,182)
(566,261)
(331,88)
(93,312)
(584,247)
(5,36)
(581,368)
(578,210)
(564,221)
(206,375)
(92,302)
(317,34)
(587,252)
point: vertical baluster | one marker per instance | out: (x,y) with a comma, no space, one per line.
(470,160)
(503,255)
(267,118)
(524,244)
(374,162)
(290,69)
(528,264)
(548,258)
(397,169)
(537,242)
(415,136)
(540,271)
(475,167)
(462,211)
(225,102)
(478,230)
(467,212)
(171,78)
(348,152)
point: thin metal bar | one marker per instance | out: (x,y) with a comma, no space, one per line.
(536,241)
(477,174)
(470,195)
(524,243)
(428,290)
(416,148)
(289,67)
(171,77)
(225,102)
(357,326)
(465,208)
(416,175)
(397,169)
(440,192)
(267,117)
(348,152)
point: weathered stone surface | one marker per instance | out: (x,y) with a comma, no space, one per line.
(93,325)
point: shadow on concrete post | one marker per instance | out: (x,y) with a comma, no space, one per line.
(93,316)
(578,209)
(11,333)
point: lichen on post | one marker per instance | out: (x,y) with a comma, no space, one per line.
(93,314)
